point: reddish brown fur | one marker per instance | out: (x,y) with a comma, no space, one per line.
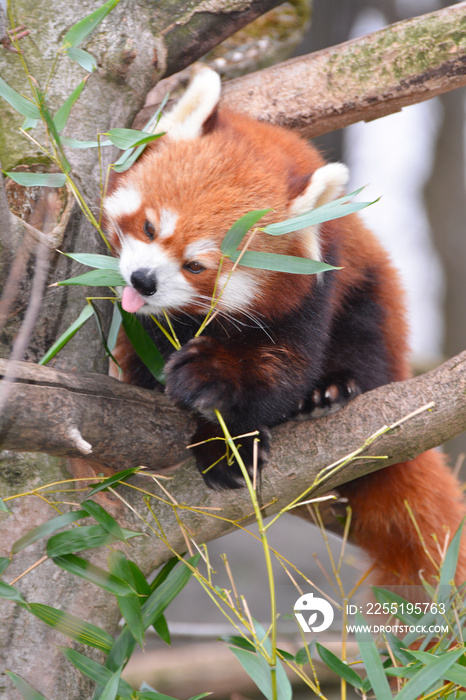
(268,166)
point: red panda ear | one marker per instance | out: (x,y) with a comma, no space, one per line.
(297,184)
(326,184)
(196,112)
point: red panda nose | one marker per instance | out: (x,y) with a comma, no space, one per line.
(143,281)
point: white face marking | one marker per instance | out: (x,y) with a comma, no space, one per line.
(173,289)
(240,292)
(123,202)
(193,250)
(167,223)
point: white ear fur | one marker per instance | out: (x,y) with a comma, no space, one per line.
(186,119)
(327,184)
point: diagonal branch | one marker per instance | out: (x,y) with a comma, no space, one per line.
(120,426)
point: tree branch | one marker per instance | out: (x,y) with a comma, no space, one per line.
(362,79)
(72,415)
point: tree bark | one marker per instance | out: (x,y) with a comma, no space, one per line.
(362,79)
(71,415)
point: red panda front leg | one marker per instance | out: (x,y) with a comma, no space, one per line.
(248,386)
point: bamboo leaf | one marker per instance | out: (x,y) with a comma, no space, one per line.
(167,591)
(85,537)
(4,564)
(18,102)
(281,263)
(111,687)
(103,518)
(26,690)
(130,608)
(96,278)
(260,672)
(113,480)
(449,564)
(101,262)
(160,627)
(83,58)
(11,593)
(95,671)
(239,229)
(143,345)
(73,627)
(433,671)
(338,667)
(3,508)
(114,328)
(372,662)
(85,314)
(327,212)
(130,138)
(46,529)
(237,641)
(38,179)
(85,26)
(61,117)
(94,574)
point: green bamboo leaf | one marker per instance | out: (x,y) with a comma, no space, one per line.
(449,564)
(95,671)
(85,26)
(114,329)
(139,579)
(61,117)
(10,593)
(130,608)
(433,671)
(103,518)
(75,143)
(130,138)
(239,229)
(18,102)
(85,537)
(113,480)
(302,656)
(372,662)
(259,670)
(143,345)
(96,278)
(167,591)
(101,262)
(94,574)
(55,136)
(73,627)
(83,58)
(237,641)
(327,212)
(126,160)
(4,564)
(26,690)
(38,179)
(281,263)
(338,667)
(85,314)
(399,649)
(160,627)
(46,529)
(29,123)
(111,688)
(3,508)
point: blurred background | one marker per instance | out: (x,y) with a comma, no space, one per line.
(415,161)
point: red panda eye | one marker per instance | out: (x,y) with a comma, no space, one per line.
(194,267)
(149,230)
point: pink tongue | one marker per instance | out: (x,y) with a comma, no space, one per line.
(131,301)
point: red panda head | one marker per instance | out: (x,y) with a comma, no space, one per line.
(168,215)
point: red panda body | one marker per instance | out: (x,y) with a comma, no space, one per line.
(281,343)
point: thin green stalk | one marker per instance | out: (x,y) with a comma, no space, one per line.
(272,660)
(174,341)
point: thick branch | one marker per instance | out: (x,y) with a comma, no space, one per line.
(362,79)
(120,426)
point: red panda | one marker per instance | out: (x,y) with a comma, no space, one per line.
(281,344)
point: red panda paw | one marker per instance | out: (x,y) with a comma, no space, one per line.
(328,397)
(201,377)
